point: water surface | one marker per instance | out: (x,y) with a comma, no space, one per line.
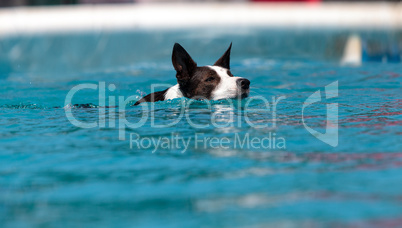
(54,174)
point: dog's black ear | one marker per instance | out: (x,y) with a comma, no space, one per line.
(224,61)
(183,64)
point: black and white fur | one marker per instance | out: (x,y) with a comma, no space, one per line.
(207,82)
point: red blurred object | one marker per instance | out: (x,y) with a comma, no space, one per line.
(286,0)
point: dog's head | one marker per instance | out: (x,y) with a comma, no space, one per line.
(207,82)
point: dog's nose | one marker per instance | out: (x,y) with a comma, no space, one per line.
(243,83)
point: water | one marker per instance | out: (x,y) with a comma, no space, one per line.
(54,174)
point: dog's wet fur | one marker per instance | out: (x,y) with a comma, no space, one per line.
(206,82)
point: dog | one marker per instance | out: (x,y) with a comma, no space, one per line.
(214,82)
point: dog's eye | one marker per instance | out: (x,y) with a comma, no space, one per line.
(210,79)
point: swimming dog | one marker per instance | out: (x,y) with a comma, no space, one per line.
(214,82)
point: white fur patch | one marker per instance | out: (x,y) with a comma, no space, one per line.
(227,87)
(173,92)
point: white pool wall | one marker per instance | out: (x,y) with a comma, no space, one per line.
(26,20)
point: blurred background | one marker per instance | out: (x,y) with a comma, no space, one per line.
(69,36)
(61,2)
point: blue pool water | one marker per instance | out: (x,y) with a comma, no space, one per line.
(55,174)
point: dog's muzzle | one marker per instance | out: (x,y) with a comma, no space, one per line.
(244,85)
